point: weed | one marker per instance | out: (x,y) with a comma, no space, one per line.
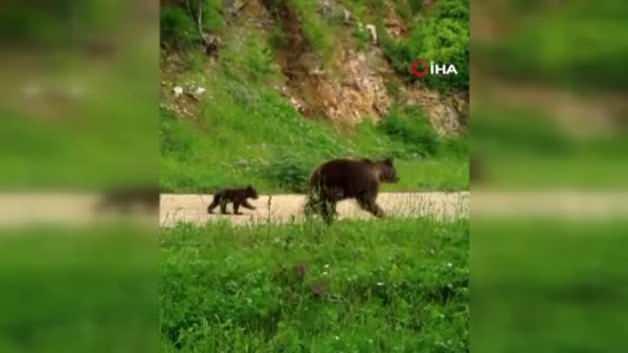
(411,127)
(376,286)
(177,27)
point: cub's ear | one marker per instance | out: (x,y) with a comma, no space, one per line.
(250,187)
(388,161)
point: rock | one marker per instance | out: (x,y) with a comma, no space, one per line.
(373,32)
(178,91)
(325,7)
(347,16)
(199,91)
(394,25)
(443,112)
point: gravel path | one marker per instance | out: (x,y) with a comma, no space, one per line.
(17,209)
(286,208)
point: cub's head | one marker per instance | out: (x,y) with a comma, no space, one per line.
(251,192)
(387,171)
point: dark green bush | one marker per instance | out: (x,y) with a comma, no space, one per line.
(177,27)
(288,171)
(442,37)
(413,129)
(455,147)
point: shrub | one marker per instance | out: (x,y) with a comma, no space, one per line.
(412,128)
(288,171)
(442,37)
(249,58)
(457,147)
(177,28)
(174,140)
(362,36)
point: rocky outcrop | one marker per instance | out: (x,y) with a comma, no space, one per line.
(358,93)
(447,114)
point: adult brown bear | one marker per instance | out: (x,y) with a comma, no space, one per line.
(341,179)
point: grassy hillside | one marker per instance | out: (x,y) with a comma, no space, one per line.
(243,130)
(528,299)
(377,286)
(78,289)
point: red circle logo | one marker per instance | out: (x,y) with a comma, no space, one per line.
(420,68)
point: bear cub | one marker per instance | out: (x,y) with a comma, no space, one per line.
(341,179)
(236,196)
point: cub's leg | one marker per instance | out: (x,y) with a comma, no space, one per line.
(214,204)
(246,204)
(367,203)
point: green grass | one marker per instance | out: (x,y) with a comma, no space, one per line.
(548,285)
(376,286)
(440,35)
(556,38)
(78,290)
(512,142)
(274,143)
(247,133)
(104,139)
(87,129)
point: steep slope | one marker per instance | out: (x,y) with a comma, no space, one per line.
(280,85)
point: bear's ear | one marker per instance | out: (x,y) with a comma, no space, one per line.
(249,187)
(388,161)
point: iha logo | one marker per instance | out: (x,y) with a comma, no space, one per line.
(421,68)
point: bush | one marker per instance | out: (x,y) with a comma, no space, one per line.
(177,28)
(412,128)
(174,140)
(249,58)
(288,171)
(443,38)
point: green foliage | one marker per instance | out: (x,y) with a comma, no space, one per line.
(174,139)
(413,129)
(78,289)
(415,5)
(375,286)
(511,142)
(213,20)
(288,171)
(248,58)
(248,132)
(580,293)
(551,48)
(178,23)
(318,33)
(442,37)
(362,36)
(177,27)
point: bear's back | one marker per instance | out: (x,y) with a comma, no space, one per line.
(351,176)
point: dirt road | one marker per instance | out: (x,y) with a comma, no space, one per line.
(285,208)
(17,209)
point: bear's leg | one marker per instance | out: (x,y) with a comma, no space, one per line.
(328,211)
(246,204)
(367,203)
(223,206)
(236,207)
(213,205)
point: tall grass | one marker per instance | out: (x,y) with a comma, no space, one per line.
(379,286)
